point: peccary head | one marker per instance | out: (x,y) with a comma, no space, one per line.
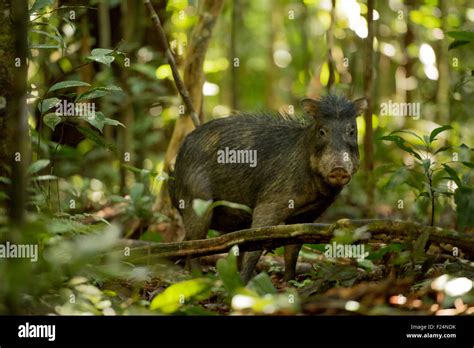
(334,153)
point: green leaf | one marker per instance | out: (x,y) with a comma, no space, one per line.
(464,199)
(262,284)
(37,166)
(96,138)
(55,37)
(401,144)
(98,92)
(5,180)
(232,205)
(101,55)
(68,84)
(101,51)
(426,164)
(96,119)
(201,206)
(424,194)
(452,174)
(112,122)
(229,273)
(47,104)
(92,94)
(137,191)
(438,130)
(151,236)
(107,60)
(51,120)
(170,300)
(408,132)
(468,164)
(45,46)
(462,35)
(399,177)
(44,177)
(441,149)
(40,4)
(457,43)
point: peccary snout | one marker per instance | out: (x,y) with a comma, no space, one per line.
(338,177)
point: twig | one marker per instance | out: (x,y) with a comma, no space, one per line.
(170,58)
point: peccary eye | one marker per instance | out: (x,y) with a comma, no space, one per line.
(351,132)
(322,132)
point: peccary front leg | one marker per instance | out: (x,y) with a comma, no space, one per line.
(291,257)
(269,214)
(196,228)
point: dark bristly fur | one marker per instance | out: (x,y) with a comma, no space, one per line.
(289,183)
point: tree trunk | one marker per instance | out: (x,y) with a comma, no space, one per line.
(235,27)
(13,115)
(442,94)
(368,92)
(330,43)
(193,81)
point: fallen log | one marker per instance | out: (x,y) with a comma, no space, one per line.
(275,236)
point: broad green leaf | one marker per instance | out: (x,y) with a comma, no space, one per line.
(51,120)
(44,177)
(42,46)
(262,284)
(151,236)
(5,180)
(457,43)
(442,149)
(407,132)
(137,191)
(232,205)
(101,51)
(438,130)
(112,122)
(426,164)
(170,300)
(68,84)
(401,144)
(101,55)
(464,199)
(92,94)
(47,104)
(107,60)
(452,174)
(96,119)
(399,177)
(228,272)
(201,206)
(96,138)
(38,165)
(39,4)
(462,35)
(468,164)
(56,38)
(98,92)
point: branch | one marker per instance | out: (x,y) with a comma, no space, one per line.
(276,236)
(170,58)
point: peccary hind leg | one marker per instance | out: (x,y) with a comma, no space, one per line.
(263,215)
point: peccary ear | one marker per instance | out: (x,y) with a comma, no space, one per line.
(310,106)
(360,105)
